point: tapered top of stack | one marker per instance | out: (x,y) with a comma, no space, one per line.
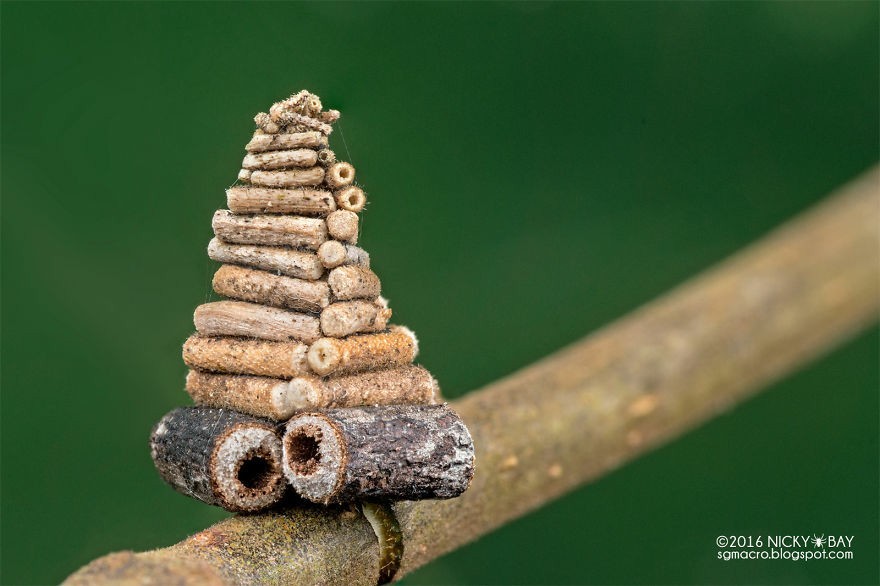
(303,331)
(300,112)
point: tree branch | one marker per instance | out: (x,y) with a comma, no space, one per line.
(589,408)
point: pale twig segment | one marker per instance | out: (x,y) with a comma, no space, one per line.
(650,377)
(269,142)
(238,318)
(267,288)
(339,174)
(354,282)
(393,386)
(291,119)
(342,455)
(289,178)
(278,399)
(266,124)
(329,116)
(255,395)
(326,157)
(303,102)
(351,317)
(395,347)
(293,263)
(343,225)
(280,159)
(236,355)
(351,198)
(268,200)
(303,109)
(300,111)
(219,457)
(294,231)
(333,253)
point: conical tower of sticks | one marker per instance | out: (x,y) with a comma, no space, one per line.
(299,380)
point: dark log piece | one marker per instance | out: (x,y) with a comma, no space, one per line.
(351,198)
(399,452)
(220,457)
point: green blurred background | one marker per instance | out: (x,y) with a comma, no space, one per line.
(639,142)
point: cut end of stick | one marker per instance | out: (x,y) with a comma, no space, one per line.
(411,335)
(326,157)
(353,282)
(332,254)
(351,198)
(349,317)
(247,469)
(324,356)
(339,174)
(343,225)
(313,456)
(361,352)
(300,393)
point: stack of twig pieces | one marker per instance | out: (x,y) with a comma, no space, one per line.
(303,338)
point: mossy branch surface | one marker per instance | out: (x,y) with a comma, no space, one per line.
(572,417)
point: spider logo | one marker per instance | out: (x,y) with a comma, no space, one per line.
(818,541)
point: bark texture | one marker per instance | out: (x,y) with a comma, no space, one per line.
(643,380)
(295,231)
(266,288)
(397,347)
(268,200)
(238,318)
(246,356)
(285,261)
(341,455)
(219,457)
